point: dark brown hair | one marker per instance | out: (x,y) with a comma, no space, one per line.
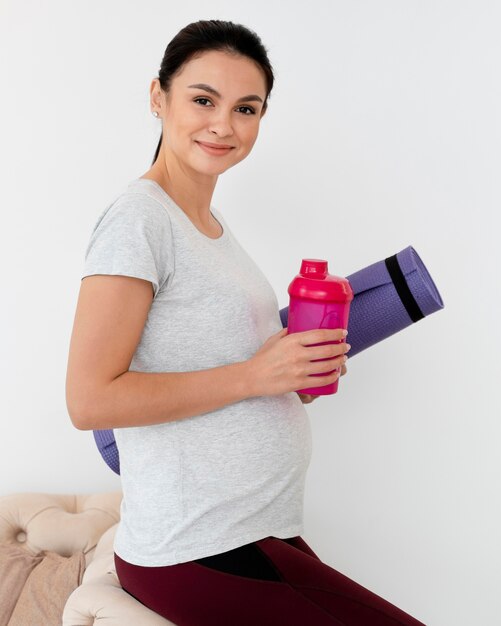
(199,37)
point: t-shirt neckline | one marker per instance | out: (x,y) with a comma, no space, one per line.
(183,215)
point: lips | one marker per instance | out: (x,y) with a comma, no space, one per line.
(218,151)
(217,146)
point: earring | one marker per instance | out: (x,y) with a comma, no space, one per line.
(155,113)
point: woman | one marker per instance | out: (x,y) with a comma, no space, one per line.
(178,346)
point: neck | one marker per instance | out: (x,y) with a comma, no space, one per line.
(190,190)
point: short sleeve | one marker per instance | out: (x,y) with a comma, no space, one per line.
(132,237)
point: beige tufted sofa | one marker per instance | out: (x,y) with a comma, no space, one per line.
(68,523)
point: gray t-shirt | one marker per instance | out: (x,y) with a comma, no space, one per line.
(212,482)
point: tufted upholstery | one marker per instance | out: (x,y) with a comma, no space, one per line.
(65,524)
(62,523)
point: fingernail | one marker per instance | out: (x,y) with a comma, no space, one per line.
(345,332)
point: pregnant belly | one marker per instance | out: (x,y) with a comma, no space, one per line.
(264,440)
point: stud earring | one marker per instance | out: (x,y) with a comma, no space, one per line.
(155,113)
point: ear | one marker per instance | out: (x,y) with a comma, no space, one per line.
(156,100)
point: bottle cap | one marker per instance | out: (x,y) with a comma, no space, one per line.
(315,282)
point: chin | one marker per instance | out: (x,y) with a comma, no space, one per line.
(211,169)
(212,166)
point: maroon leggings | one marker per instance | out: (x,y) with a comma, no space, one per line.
(270,582)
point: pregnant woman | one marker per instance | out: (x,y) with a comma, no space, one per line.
(178,346)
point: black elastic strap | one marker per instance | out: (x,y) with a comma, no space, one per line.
(405,294)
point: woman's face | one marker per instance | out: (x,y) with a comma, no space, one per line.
(196,115)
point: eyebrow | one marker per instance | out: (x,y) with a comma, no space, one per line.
(211,90)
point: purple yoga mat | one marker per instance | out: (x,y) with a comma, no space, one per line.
(388,296)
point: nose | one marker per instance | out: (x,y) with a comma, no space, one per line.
(221,125)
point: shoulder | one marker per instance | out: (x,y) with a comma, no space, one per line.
(132,208)
(139,203)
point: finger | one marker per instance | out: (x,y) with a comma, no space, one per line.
(327,351)
(304,397)
(324,365)
(320,335)
(343,369)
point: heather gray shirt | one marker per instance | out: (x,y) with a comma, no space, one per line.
(212,482)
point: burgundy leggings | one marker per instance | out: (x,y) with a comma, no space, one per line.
(270,582)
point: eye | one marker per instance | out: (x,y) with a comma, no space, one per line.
(197,99)
(250,109)
(252,112)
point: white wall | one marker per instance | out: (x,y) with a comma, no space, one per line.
(383,131)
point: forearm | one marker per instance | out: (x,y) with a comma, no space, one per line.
(143,398)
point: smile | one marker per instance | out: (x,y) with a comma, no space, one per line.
(213,150)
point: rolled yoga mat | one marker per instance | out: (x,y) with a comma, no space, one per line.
(388,296)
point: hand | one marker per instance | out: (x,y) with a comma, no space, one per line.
(307,398)
(286,362)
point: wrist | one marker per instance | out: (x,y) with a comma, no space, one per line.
(246,373)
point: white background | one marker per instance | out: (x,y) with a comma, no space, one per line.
(383,131)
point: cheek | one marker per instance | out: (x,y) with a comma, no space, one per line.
(248,129)
(250,134)
(189,123)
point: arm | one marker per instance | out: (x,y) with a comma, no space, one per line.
(100,391)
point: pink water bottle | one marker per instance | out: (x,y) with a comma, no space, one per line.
(318,300)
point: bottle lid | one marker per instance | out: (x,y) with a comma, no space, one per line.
(315,282)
